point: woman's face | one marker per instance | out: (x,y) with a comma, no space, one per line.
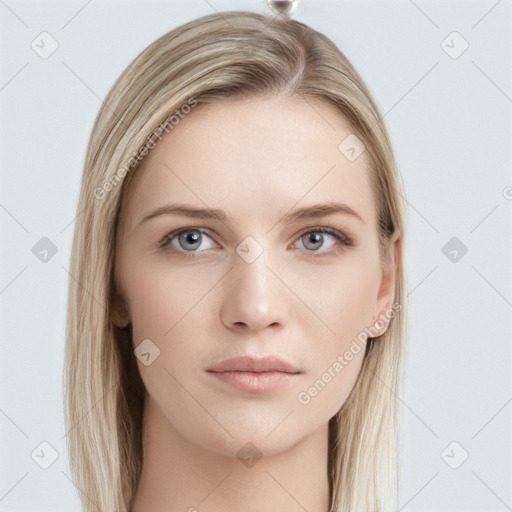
(259,278)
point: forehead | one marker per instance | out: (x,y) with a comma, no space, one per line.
(255,159)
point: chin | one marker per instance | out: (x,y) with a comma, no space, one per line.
(255,443)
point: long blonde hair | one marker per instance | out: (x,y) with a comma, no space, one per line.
(206,60)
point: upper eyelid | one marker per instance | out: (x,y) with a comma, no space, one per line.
(173,234)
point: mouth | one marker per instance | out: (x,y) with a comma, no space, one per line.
(255,375)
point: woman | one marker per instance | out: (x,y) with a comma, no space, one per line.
(235,328)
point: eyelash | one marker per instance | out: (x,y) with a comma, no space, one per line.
(165,244)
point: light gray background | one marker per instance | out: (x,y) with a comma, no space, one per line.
(450,124)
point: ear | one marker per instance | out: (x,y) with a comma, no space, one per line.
(119,314)
(386,294)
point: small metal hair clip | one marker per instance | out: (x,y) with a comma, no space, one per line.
(282,7)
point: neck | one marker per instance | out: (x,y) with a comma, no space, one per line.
(178,475)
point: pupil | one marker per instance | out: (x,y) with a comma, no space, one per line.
(190,237)
(315,238)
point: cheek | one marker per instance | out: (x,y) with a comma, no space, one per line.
(345,306)
(167,309)
(343,298)
(161,297)
(171,308)
(328,389)
(340,297)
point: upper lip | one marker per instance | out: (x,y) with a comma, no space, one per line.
(269,363)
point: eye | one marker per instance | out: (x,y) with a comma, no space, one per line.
(314,239)
(187,240)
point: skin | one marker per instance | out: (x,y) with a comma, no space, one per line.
(305,300)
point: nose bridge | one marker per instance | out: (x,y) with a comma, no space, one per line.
(253,296)
(253,272)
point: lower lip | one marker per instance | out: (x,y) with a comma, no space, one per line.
(255,382)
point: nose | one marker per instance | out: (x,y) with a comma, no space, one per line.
(253,297)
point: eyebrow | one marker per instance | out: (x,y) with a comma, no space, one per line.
(307,212)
